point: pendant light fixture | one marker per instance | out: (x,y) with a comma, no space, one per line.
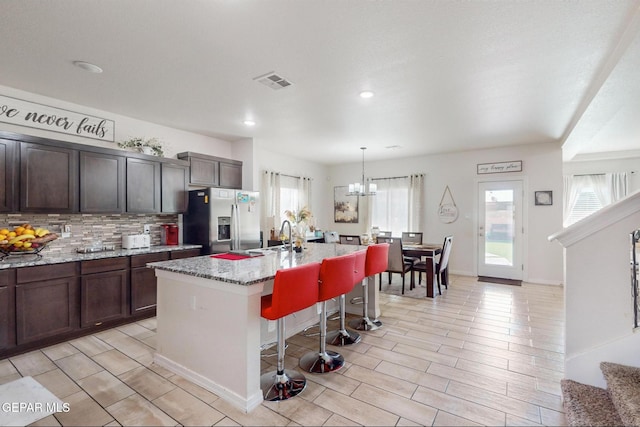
(358,189)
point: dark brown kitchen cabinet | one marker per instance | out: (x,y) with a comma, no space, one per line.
(144,282)
(9,183)
(213,171)
(104,288)
(7,309)
(47,301)
(48,178)
(231,174)
(185,253)
(102,182)
(143,186)
(175,184)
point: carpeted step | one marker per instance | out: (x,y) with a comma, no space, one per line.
(586,405)
(623,384)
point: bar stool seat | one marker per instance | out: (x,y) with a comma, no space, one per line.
(343,336)
(294,289)
(336,278)
(375,263)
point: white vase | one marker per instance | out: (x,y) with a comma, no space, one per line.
(147,150)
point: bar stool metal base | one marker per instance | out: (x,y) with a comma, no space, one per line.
(343,337)
(320,363)
(282,387)
(365,324)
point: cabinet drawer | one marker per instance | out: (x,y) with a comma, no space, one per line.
(142,260)
(106,264)
(187,253)
(46,272)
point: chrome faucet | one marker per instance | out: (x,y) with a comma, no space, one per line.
(286,221)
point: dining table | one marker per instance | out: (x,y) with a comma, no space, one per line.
(428,251)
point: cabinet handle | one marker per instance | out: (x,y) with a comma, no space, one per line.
(98,324)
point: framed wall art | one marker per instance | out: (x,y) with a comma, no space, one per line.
(345,208)
(544,198)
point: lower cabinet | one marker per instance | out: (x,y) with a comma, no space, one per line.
(7,309)
(47,302)
(144,283)
(186,253)
(104,288)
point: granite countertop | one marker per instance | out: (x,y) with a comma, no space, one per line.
(30,260)
(254,269)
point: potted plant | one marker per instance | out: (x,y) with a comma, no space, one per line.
(147,146)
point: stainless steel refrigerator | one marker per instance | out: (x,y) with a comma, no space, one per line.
(223,220)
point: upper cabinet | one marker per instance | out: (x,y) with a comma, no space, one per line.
(143,186)
(8,190)
(175,180)
(102,183)
(48,178)
(213,171)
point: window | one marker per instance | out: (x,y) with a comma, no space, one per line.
(289,196)
(390,205)
(586,204)
(586,194)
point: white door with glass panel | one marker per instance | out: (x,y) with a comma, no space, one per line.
(500,232)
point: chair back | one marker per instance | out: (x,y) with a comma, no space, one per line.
(349,239)
(294,289)
(336,276)
(384,234)
(377,259)
(396,260)
(331,237)
(446,250)
(412,237)
(359,268)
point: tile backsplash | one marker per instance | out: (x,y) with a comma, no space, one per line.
(86,229)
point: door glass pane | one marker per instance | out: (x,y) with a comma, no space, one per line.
(499,227)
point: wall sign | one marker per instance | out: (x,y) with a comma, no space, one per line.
(29,114)
(501,167)
(447,212)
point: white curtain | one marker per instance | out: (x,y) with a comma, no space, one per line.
(618,185)
(304,193)
(571,193)
(389,208)
(416,203)
(270,195)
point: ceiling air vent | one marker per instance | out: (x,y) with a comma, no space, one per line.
(273,80)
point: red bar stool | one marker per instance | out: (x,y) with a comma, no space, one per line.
(336,276)
(343,336)
(376,262)
(294,289)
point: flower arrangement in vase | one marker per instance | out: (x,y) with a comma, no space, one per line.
(147,146)
(300,223)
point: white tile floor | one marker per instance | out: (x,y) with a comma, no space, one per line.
(479,354)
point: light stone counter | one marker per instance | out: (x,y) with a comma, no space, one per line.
(209,326)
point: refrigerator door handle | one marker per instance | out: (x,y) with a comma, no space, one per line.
(235,228)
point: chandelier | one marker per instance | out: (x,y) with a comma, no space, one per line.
(358,189)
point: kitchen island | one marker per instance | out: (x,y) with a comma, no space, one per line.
(209,326)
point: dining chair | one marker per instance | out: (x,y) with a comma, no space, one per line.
(412,237)
(397,263)
(441,271)
(331,237)
(384,234)
(349,239)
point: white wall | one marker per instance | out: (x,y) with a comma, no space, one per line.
(542,170)
(173,140)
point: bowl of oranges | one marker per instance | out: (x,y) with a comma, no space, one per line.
(24,239)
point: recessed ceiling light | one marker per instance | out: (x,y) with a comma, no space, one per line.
(366,94)
(87,66)
(249,123)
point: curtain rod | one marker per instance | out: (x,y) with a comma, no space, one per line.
(395,177)
(289,176)
(598,174)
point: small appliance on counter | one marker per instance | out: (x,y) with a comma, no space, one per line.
(169,234)
(136,241)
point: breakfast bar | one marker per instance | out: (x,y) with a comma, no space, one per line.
(209,327)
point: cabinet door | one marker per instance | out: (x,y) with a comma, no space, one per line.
(46,309)
(102,178)
(174,188)
(8,183)
(143,290)
(7,310)
(48,179)
(143,186)
(204,172)
(230,175)
(103,297)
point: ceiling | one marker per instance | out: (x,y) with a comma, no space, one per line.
(447,75)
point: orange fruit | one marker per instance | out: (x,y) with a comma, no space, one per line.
(4,231)
(11,234)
